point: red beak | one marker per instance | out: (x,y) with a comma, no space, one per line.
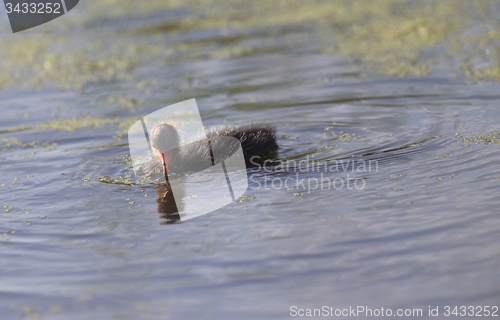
(165,157)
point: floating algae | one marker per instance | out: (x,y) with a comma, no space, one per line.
(10,142)
(387,37)
(73,124)
(492,138)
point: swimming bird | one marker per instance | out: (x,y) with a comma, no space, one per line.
(258,144)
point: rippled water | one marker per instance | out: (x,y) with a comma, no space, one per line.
(79,240)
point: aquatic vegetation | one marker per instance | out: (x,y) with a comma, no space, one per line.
(387,37)
(70,125)
(10,142)
(77,123)
(492,138)
(481,62)
(190,197)
(246,198)
(127,158)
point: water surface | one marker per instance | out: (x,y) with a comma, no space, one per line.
(79,238)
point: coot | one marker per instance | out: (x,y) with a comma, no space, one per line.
(258,143)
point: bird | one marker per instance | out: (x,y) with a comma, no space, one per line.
(258,144)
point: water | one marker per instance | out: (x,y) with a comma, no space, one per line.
(79,241)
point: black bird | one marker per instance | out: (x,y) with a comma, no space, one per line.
(258,143)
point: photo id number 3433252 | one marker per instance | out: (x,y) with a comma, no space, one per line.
(33,7)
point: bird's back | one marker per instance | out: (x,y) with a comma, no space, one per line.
(258,141)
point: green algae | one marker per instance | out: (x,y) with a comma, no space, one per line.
(123,124)
(41,65)
(492,138)
(125,180)
(482,62)
(10,142)
(246,198)
(76,123)
(386,37)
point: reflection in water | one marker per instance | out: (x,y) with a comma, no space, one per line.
(166,204)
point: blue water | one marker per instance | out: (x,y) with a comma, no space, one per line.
(423,231)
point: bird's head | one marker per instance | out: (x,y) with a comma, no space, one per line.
(165,143)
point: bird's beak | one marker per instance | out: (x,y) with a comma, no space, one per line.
(165,159)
